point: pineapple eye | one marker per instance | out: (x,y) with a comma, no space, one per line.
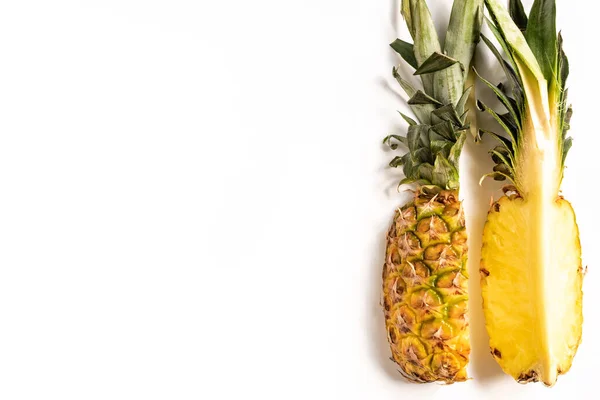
(394,255)
(457,310)
(413,350)
(406,319)
(415,272)
(445,364)
(437,329)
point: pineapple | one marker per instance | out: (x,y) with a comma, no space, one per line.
(424,275)
(531,271)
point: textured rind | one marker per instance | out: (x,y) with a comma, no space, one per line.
(526,373)
(425,288)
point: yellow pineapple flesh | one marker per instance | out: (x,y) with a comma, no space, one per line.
(532,300)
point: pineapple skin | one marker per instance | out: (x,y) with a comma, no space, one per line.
(425,288)
(533,311)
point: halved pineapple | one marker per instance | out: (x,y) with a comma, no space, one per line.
(531,257)
(531,285)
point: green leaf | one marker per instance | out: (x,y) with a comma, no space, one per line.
(406,86)
(436,62)
(408,181)
(448,84)
(448,113)
(406,51)
(502,41)
(514,38)
(414,136)
(517,13)
(396,162)
(502,97)
(510,122)
(460,106)
(408,119)
(423,98)
(500,158)
(463,32)
(425,38)
(409,167)
(444,173)
(567,143)
(497,176)
(424,139)
(388,140)
(495,115)
(457,149)
(441,147)
(510,73)
(564,111)
(423,112)
(425,171)
(445,129)
(506,143)
(406,11)
(563,63)
(503,155)
(541,36)
(423,154)
(513,102)
(567,120)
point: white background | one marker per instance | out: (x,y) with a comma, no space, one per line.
(193,199)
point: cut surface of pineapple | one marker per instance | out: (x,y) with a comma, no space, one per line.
(532,300)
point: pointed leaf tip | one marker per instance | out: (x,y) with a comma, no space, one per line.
(406,51)
(423,98)
(517,13)
(435,62)
(541,36)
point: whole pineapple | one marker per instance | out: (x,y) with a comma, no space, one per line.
(531,271)
(425,276)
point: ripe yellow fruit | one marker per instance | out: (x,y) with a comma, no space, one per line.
(425,288)
(532,299)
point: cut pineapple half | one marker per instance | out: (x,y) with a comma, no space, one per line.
(531,285)
(531,258)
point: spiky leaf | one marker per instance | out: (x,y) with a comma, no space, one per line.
(406,51)
(518,14)
(568,142)
(444,173)
(463,31)
(448,113)
(436,62)
(462,102)
(408,119)
(541,35)
(423,98)
(436,138)
(396,162)
(425,36)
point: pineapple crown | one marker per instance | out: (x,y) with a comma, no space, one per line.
(442,107)
(536,68)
